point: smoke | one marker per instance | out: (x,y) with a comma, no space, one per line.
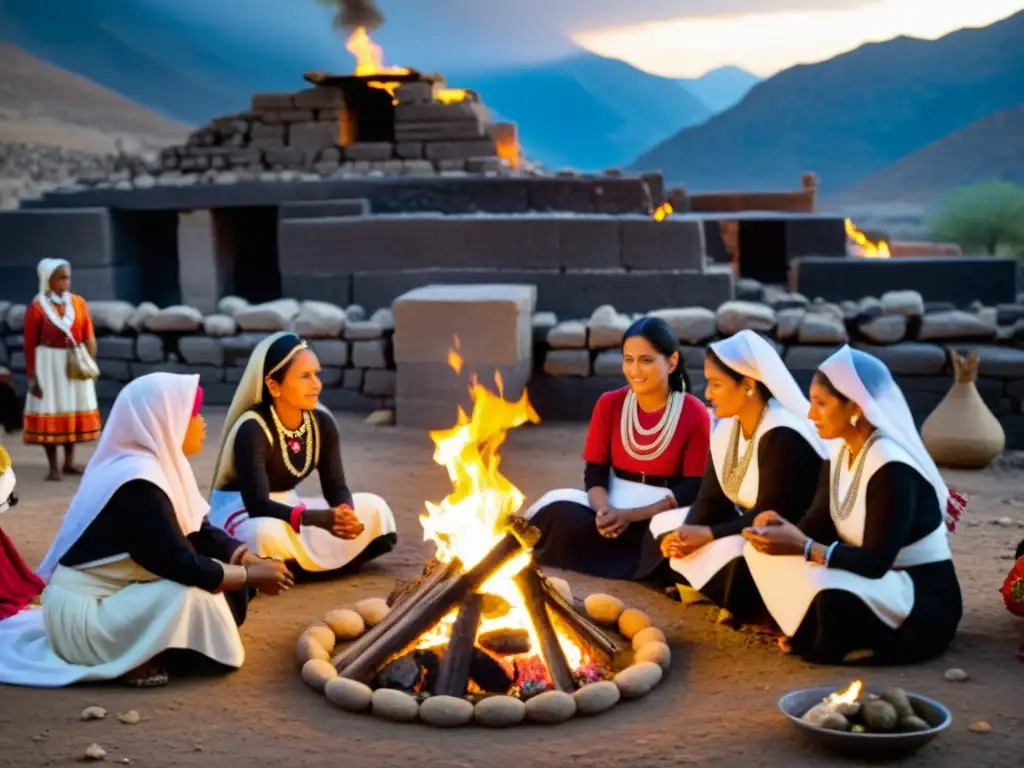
(356,13)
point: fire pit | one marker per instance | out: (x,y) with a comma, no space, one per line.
(482,635)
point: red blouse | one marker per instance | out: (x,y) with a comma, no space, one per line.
(686,455)
(39,331)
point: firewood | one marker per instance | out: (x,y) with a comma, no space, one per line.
(530,584)
(588,632)
(454,672)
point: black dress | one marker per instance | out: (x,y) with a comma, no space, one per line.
(902,509)
(787,472)
(139,520)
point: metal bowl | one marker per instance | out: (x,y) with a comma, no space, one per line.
(796,704)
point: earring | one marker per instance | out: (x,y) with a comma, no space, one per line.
(854,419)
(749,392)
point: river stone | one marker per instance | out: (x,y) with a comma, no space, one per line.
(350,695)
(550,707)
(324,635)
(691,325)
(735,316)
(385,318)
(571,334)
(141,315)
(499,711)
(822,328)
(647,635)
(394,705)
(561,586)
(111,316)
(495,606)
(789,321)
(269,317)
(176,319)
(372,610)
(506,642)
(606,327)
(1001,363)
(220,326)
(308,648)
(597,697)
(446,711)
(885,329)
(355,313)
(231,305)
(316,673)
(955,324)
(604,609)
(637,680)
(16,317)
(906,303)
(632,620)
(346,623)
(319,320)
(659,653)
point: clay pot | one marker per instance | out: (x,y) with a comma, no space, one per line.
(962,432)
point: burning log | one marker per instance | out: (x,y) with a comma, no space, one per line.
(454,672)
(398,612)
(582,626)
(531,585)
(428,609)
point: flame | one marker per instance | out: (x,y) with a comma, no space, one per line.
(848,695)
(450,95)
(869,250)
(471,519)
(370,61)
(662,211)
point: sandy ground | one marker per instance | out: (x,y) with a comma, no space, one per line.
(717,706)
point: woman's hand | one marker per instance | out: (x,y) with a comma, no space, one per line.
(35,389)
(766,518)
(611,522)
(685,540)
(271,577)
(341,521)
(776,538)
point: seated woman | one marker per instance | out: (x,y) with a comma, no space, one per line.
(275,435)
(19,586)
(135,570)
(764,455)
(645,454)
(867,575)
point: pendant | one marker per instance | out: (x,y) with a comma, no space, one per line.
(294,446)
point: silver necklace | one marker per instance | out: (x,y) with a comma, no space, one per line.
(663,431)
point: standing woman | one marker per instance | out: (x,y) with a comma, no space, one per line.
(18,584)
(868,574)
(645,453)
(275,435)
(765,455)
(61,407)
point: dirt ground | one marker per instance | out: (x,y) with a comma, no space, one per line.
(717,705)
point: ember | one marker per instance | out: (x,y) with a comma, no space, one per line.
(663,211)
(865,247)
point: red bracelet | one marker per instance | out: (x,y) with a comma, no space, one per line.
(296,518)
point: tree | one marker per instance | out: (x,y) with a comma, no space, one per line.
(986,217)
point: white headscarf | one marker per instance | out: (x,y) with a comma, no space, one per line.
(751,355)
(142,440)
(7,480)
(45,270)
(248,393)
(867,381)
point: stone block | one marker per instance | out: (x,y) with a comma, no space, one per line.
(115,370)
(800,358)
(347,400)
(1001,363)
(448,130)
(589,243)
(458,149)
(85,236)
(885,329)
(115,348)
(312,137)
(492,322)
(569,399)
(815,236)
(438,381)
(568,334)
(409,150)
(318,97)
(567,362)
(955,325)
(364,330)
(263,101)
(146,368)
(291,157)
(371,354)
(269,131)
(423,414)
(543,322)
(107,390)
(352,378)
(201,350)
(176,319)
(379,383)
(909,357)
(419,92)
(370,150)
(332,352)
(692,325)
(672,244)
(150,348)
(608,363)
(218,394)
(333,287)
(233,374)
(17,361)
(238,348)
(330,377)
(323,209)
(436,112)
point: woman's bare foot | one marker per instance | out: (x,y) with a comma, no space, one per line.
(784,645)
(53,476)
(147,676)
(71,469)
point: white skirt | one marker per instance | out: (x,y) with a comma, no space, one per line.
(698,568)
(622,494)
(314,549)
(68,411)
(102,622)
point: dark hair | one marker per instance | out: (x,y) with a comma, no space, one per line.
(277,352)
(825,382)
(660,335)
(732,373)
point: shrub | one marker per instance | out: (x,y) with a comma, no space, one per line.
(984,218)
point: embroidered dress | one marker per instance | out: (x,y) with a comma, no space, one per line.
(18,583)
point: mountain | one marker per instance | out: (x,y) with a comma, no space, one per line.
(987,149)
(852,115)
(586,111)
(721,88)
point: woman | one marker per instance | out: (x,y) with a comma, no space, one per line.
(135,570)
(19,586)
(276,433)
(1013,589)
(645,454)
(764,455)
(867,575)
(61,407)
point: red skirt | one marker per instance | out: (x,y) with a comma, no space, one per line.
(18,583)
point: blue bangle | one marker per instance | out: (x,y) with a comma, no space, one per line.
(807,549)
(829,551)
